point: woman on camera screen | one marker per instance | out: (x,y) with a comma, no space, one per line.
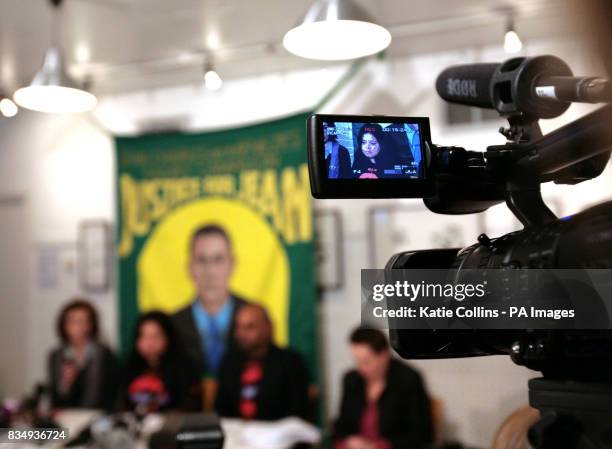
(373,156)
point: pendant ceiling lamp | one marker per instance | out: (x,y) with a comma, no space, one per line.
(335,30)
(52,90)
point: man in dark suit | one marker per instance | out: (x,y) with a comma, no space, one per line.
(205,327)
(259,380)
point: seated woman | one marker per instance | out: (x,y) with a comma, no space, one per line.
(157,376)
(82,371)
(384,404)
(371,156)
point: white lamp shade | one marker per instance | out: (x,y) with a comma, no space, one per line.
(53,91)
(335,30)
(55,99)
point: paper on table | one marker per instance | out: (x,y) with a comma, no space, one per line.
(279,434)
(75,420)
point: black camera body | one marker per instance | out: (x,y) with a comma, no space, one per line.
(575,395)
(453,180)
(580,241)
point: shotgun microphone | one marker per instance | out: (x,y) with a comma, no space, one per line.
(542,86)
(469,85)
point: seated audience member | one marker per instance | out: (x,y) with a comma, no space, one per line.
(157,376)
(258,380)
(384,403)
(82,371)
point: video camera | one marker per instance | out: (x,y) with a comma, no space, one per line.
(394,157)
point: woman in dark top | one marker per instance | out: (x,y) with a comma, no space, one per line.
(384,404)
(82,371)
(372,155)
(157,376)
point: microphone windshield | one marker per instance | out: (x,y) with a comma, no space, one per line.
(469,85)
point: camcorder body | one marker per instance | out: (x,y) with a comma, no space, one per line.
(394,157)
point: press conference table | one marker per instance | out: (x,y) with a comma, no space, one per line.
(235,431)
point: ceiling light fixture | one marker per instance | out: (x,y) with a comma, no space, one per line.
(512,41)
(212,80)
(336,30)
(52,90)
(82,53)
(7,107)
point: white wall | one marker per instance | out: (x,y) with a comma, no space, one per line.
(14,294)
(65,167)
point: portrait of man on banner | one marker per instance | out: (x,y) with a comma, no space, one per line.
(210,223)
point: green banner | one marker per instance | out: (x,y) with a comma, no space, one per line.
(252,181)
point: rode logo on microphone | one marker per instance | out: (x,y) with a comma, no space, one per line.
(458,87)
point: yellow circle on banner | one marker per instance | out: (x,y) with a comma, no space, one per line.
(261,271)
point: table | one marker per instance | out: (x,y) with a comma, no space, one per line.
(268,435)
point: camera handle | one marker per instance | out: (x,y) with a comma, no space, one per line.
(523,195)
(471,182)
(571,154)
(522,188)
(527,205)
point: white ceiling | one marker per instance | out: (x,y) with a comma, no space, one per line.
(139,44)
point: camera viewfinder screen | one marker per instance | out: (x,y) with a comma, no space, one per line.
(372,150)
